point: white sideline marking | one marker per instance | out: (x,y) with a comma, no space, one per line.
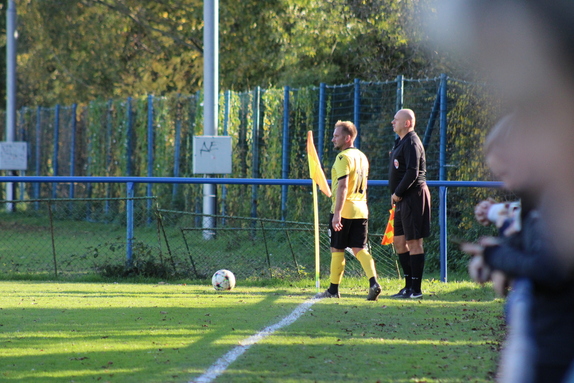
(222,363)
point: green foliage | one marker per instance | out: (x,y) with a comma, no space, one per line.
(72,51)
(78,51)
(302,119)
(270,155)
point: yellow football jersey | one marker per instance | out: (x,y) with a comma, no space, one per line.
(354,164)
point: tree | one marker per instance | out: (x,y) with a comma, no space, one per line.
(76,51)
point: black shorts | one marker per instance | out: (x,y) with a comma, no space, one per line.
(413,214)
(353,234)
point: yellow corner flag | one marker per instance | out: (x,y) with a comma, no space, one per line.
(318,177)
(315,169)
(390,230)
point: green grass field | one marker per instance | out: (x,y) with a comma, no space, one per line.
(157,332)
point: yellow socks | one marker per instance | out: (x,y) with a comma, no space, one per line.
(367,262)
(337,267)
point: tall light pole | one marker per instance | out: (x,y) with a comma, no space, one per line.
(210,99)
(11,36)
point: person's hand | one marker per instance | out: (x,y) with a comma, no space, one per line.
(336,222)
(513,228)
(395,199)
(489,241)
(479,270)
(477,249)
(481,211)
(500,283)
(473,249)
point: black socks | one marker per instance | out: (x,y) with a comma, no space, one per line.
(405,261)
(417,268)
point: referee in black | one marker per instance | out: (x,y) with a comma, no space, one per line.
(411,197)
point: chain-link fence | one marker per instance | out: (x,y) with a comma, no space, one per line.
(137,236)
(268,130)
(71,237)
(257,247)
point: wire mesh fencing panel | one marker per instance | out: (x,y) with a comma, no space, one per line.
(257,247)
(83,236)
(66,237)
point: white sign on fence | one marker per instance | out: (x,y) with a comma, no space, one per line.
(212,155)
(13,155)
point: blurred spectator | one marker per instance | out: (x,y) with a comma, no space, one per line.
(525,50)
(540,345)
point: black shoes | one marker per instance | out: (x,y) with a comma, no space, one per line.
(374,293)
(403,294)
(414,295)
(327,294)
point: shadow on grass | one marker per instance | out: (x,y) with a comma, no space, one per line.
(153,336)
(453,340)
(172,333)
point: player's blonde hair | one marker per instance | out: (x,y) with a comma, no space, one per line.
(348,128)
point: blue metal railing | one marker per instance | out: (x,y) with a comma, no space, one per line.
(130,181)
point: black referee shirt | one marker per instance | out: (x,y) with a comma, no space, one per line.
(407,165)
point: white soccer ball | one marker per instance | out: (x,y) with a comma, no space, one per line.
(223,280)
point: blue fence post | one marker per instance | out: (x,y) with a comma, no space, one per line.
(129,225)
(442,177)
(226,110)
(285,152)
(22,137)
(90,140)
(255,172)
(129,138)
(321,124)
(150,144)
(400,92)
(177,148)
(357,112)
(38,155)
(108,154)
(432,118)
(56,149)
(73,149)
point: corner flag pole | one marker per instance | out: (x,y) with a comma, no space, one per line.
(318,177)
(317,247)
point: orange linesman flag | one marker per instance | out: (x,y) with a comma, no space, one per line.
(390,230)
(315,169)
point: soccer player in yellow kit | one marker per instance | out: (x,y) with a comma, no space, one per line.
(348,227)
